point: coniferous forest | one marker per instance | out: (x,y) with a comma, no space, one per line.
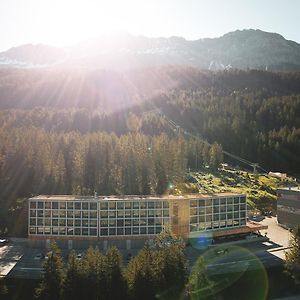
(80,131)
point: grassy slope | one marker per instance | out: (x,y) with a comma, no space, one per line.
(259,188)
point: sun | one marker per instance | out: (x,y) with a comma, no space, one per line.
(70,20)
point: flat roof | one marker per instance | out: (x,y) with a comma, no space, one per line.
(292,188)
(132,197)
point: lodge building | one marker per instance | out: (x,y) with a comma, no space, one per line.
(137,217)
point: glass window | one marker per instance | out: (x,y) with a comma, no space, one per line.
(62,230)
(151,222)
(62,222)
(208,202)
(208,210)
(32,204)
(243,206)
(223,208)
(209,218)
(194,219)
(112,231)
(70,231)
(201,218)
(128,205)
(135,230)
(236,207)
(121,213)
(193,203)
(70,222)
(229,215)
(55,230)
(166,204)
(236,215)
(136,222)
(128,222)
(229,200)
(93,231)
(85,231)
(208,225)
(143,221)
(165,212)
(54,222)
(62,213)
(120,231)
(242,214)
(54,205)
(158,204)
(236,200)
(85,223)
(32,222)
(104,205)
(150,204)
(104,214)
(216,209)
(93,206)
(85,206)
(104,223)
(48,213)
(150,230)
(151,213)
(143,205)
(32,230)
(128,213)
(120,223)
(70,205)
(216,202)
(216,217)
(78,223)
(229,223)
(143,213)
(47,222)
(112,205)
(48,205)
(47,230)
(40,213)
(242,200)
(70,214)
(143,230)
(40,205)
(32,213)
(40,230)
(103,232)
(193,211)
(158,229)
(136,205)
(112,214)
(127,231)
(77,231)
(120,205)
(78,214)
(158,213)
(55,213)
(201,203)
(77,205)
(222,201)
(62,205)
(93,214)
(135,213)
(85,214)
(112,223)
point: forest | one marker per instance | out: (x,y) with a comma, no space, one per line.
(80,131)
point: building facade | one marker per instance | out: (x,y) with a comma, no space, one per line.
(134,217)
(288,206)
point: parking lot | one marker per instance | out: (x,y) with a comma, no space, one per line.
(20,258)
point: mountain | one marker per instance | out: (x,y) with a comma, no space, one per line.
(241,49)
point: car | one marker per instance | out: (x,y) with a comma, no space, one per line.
(3,242)
(39,256)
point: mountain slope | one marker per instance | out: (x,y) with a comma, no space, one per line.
(253,49)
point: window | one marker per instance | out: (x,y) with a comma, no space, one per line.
(32,204)
(40,205)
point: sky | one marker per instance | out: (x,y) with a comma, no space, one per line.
(68,22)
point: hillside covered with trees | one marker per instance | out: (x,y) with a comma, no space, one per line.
(79,131)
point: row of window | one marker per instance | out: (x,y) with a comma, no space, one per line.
(216,209)
(217,217)
(93,223)
(103,214)
(105,205)
(217,201)
(71,231)
(216,225)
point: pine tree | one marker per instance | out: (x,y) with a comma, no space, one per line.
(292,263)
(53,277)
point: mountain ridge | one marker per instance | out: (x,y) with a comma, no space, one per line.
(240,49)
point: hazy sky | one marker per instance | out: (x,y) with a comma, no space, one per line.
(66,22)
